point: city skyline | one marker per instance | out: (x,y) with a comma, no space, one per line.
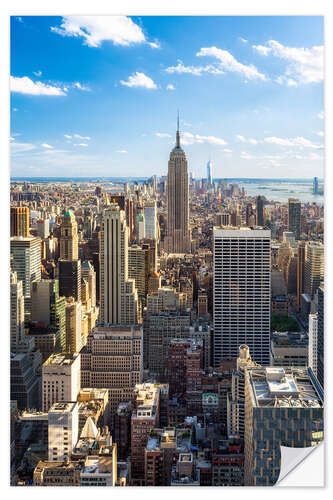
(102,112)
(166,319)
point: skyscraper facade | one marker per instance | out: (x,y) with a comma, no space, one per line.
(294,217)
(16,312)
(19,221)
(48,307)
(260,210)
(70,278)
(137,270)
(283,406)
(69,237)
(112,359)
(313,267)
(26,258)
(313,343)
(300,273)
(178,233)
(150,214)
(118,295)
(209,173)
(242,292)
(61,379)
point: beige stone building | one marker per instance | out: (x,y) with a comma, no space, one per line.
(60,379)
(69,240)
(178,232)
(112,359)
(119,297)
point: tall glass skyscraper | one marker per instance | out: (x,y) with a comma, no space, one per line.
(209,173)
(294,217)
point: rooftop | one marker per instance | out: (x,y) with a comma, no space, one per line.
(62,359)
(92,467)
(63,407)
(284,387)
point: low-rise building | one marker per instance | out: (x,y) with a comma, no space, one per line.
(289,349)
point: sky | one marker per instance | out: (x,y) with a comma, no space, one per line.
(98,95)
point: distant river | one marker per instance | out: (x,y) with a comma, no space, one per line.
(281,190)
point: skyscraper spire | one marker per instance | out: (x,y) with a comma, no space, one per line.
(178,133)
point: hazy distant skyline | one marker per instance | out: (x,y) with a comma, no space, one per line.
(98,96)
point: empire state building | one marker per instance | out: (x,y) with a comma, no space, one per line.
(178,233)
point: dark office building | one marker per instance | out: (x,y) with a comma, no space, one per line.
(294,217)
(24,384)
(260,210)
(70,278)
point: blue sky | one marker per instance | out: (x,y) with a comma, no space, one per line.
(99,95)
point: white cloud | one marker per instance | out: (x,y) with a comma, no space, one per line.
(227,151)
(121,151)
(37,73)
(94,30)
(77,136)
(83,144)
(162,134)
(21,147)
(24,85)
(314,156)
(54,151)
(300,142)
(227,62)
(155,45)
(79,86)
(15,109)
(194,70)
(321,134)
(249,141)
(243,40)
(48,146)
(246,156)
(170,87)
(320,115)
(282,79)
(139,80)
(188,139)
(304,65)
(264,51)
(67,136)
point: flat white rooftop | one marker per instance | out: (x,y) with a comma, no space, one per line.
(283,387)
(240,232)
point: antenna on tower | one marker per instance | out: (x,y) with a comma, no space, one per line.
(178,132)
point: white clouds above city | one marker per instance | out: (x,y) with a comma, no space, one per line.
(242,89)
(227,62)
(139,80)
(300,142)
(188,139)
(193,70)
(249,141)
(24,85)
(94,30)
(304,65)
